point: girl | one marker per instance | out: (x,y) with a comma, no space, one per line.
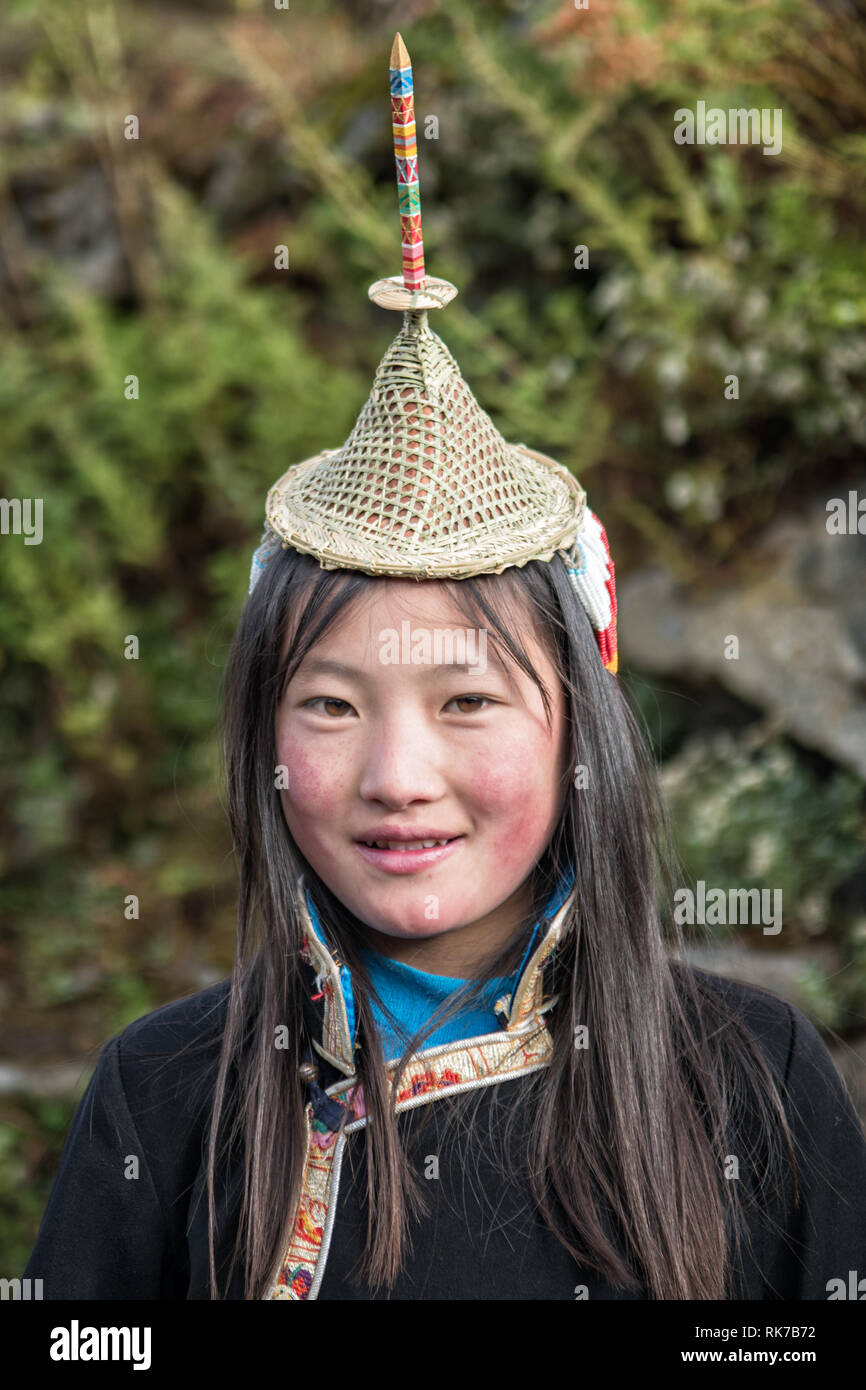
(460,1055)
(577,1113)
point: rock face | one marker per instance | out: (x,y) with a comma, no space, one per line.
(800,623)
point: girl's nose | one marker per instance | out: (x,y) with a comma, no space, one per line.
(400,767)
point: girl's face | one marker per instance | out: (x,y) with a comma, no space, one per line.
(389,745)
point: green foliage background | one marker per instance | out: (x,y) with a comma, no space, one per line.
(555,129)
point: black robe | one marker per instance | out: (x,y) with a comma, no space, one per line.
(107,1236)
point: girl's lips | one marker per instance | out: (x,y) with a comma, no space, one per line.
(407,861)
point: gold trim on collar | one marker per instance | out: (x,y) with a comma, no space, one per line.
(433,1073)
(337,1046)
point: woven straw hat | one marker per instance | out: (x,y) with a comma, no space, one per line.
(425,486)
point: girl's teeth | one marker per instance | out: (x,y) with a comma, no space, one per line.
(404,844)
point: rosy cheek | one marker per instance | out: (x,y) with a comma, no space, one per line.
(314,782)
(504,778)
(514,790)
(516,832)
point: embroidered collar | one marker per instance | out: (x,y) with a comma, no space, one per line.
(335,998)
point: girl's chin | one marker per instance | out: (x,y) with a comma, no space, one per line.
(385,931)
(408,923)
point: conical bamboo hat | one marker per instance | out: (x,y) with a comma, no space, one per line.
(425,485)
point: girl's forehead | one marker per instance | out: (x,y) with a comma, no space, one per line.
(428,604)
(417,615)
(412,610)
(407,598)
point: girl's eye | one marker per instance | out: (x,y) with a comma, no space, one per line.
(327,700)
(462,699)
(458,699)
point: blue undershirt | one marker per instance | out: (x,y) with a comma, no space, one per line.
(413,995)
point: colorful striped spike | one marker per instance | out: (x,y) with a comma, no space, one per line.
(406,157)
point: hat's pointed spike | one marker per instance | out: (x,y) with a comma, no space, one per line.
(399,52)
(406,158)
(414,289)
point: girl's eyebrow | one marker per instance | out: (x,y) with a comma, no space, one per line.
(325,667)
